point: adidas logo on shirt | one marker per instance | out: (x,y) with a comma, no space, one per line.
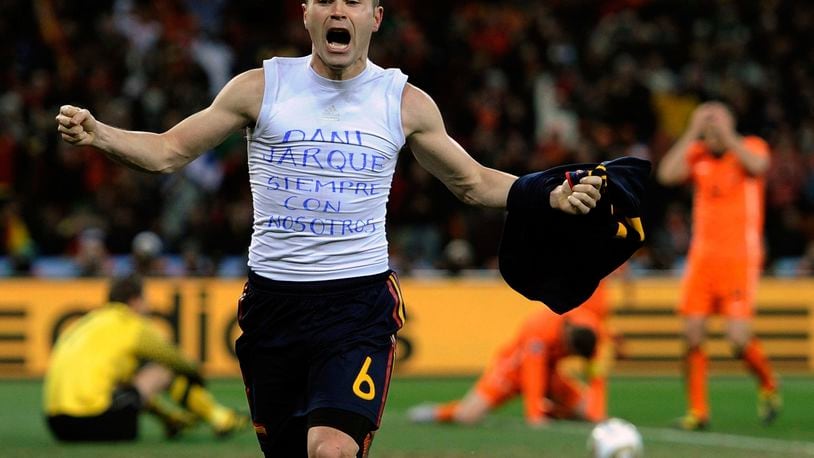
(330,114)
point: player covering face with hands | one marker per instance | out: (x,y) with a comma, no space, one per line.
(726,254)
(321,307)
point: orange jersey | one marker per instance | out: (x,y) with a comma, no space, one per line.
(528,364)
(724,262)
(599,302)
(728,204)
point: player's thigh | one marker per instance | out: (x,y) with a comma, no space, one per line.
(355,378)
(698,289)
(738,290)
(276,389)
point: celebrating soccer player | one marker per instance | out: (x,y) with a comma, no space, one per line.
(321,308)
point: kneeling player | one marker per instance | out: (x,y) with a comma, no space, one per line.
(528,367)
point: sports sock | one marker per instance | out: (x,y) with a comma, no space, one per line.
(199,401)
(696,379)
(172,416)
(758,364)
(445,413)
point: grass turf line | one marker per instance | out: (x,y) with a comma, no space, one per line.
(650,403)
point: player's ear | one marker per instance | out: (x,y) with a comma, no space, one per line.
(378,15)
(305,12)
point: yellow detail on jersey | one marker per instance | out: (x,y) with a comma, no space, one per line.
(621,230)
(636,223)
(364,378)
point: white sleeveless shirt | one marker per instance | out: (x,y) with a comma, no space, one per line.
(321,162)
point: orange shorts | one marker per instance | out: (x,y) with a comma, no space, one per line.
(502,381)
(717,287)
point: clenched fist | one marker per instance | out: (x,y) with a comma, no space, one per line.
(577,200)
(76,125)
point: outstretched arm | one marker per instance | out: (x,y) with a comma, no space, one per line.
(151,346)
(470,181)
(237,105)
(534,374)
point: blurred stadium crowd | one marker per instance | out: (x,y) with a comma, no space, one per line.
(523,86)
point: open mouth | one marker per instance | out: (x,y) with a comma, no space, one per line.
(338,39)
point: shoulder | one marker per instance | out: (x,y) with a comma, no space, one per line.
(541,322)
(249,82)
(416,98)
(418,111)
(756,144)
(243,95)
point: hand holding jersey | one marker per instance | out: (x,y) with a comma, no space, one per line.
(543,253)
(580,198)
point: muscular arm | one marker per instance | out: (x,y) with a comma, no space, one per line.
(470,181)
(442,156)
(534,381)
(237,105)
(151,346)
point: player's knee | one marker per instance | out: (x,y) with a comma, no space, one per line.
(151,380)
(693,339)
(690,349)
(738,349)
(739,344)
(332,448)
(326,442)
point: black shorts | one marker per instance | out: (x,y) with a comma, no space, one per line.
(317,354)
(117,423)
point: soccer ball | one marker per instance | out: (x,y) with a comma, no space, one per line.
(615,438)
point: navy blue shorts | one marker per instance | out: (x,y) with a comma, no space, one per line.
(319,347)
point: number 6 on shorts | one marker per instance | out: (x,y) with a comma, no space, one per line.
(363,378)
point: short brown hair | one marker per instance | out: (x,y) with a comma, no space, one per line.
(125,288)
(583,341)
(375,2)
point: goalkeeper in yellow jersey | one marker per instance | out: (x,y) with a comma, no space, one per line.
(113,364)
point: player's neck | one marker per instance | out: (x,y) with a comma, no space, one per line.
(338,73)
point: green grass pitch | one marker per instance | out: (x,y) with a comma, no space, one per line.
(650,403)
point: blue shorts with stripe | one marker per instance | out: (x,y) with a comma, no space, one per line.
(316,345)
